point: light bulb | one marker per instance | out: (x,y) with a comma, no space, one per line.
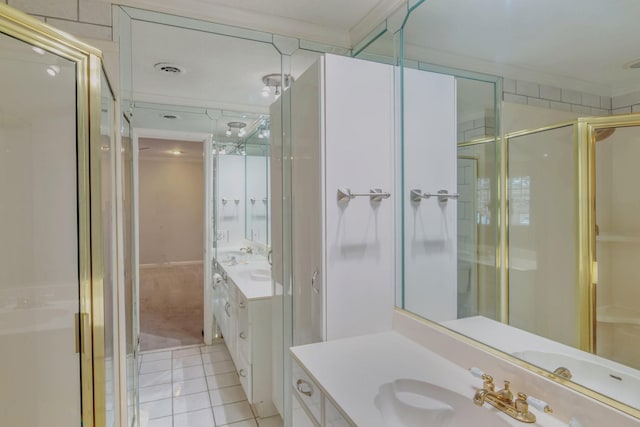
(261,135)
(228,132)
(241,132)
(266,91)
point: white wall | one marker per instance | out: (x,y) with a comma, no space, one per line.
(430,235)
(171,195)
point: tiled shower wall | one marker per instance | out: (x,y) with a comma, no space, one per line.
(82,18)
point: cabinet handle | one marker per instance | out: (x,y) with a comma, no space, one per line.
(226,309)
(242,373)
(304,387)
(243,335)
(313,281)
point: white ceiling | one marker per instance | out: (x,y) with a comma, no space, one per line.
(577,44)
(581,45)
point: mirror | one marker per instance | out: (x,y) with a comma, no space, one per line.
(567,295)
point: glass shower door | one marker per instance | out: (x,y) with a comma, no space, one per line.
(617,244)
(39,254)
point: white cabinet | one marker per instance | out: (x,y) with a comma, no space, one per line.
(310,407)
(246,327)
(342,132)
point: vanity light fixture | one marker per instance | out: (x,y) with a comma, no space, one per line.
(176,152)
(274,80)
(240,126)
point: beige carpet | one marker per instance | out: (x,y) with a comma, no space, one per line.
(171,306)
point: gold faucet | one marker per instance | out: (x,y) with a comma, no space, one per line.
(503,400)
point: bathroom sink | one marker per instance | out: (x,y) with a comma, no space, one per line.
(409,403)
(261,274)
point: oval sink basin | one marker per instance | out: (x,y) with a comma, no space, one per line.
(409,403)
(260,274)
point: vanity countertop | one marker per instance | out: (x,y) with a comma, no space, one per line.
(241,275)
(352,370)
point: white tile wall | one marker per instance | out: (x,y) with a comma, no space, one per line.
(81,18)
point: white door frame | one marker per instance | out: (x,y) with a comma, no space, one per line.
(207,142)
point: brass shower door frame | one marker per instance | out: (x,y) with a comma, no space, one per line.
(588,266)
(90,327)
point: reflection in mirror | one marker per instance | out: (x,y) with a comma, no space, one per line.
(559,287)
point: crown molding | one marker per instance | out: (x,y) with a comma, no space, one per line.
(378,14)
(202,10)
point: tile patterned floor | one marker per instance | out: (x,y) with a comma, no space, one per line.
(194,387)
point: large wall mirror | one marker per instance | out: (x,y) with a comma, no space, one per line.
(540,243)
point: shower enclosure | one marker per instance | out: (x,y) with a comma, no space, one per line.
(574,235)
(55,259)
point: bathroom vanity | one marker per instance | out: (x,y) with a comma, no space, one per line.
(242,308)
(417,375)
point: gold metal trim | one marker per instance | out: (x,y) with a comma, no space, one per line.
(88,61)
(476,142)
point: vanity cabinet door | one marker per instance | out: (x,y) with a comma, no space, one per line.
(333,417)
(300,417)
(307,391)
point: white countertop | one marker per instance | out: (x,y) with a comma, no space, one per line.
(240,274)
(352,371)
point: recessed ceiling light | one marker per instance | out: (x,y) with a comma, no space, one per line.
(168,68)
(53,70)
(634,65)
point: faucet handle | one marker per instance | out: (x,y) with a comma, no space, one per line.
(540,405)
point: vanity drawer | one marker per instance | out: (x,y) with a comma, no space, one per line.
(307,391)
(333,417)
(244,373)
(300,417)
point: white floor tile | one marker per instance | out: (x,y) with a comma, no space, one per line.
(224,396)
(232,413)
(222,380)
(155,366)
(154,392)
(159,355)
(245,423)
(154,378)
(193,351)
(196,385)
(183,362)
(200,418)
(156,409)
(188,373)
(219,367)
(213,348)
(191,402)
(158,422)
(270,422)
(216,356)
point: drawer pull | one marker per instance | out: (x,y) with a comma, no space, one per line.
(242,373)
(243,335)
(226,309)
(304,387)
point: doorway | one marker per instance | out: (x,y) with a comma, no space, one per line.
(171,227)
